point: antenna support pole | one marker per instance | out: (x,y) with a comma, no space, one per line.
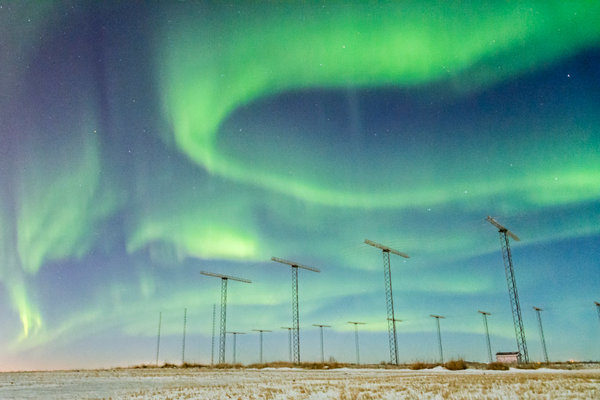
(356,339)
(389,298)
(512,289)
(223,324)
(289,329)
(183,341)
(212,343)
(295,310)
(223,328)
(234,343)
(321,328)
(295,317)
(539,318)
(487,334)
(261,341)
(437,318)
(158,336)
(389,302)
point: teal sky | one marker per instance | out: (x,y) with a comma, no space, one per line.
(141,144)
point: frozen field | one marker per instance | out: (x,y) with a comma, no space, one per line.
(301,384)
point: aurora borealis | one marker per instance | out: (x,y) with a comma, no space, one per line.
(143,142)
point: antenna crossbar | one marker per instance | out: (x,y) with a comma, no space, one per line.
(502,228)
(233,278)
(386,248)
(294,264)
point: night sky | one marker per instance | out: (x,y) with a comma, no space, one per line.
(141,143)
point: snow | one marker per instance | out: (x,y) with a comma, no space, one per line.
(292,383)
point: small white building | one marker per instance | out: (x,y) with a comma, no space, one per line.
(511,357)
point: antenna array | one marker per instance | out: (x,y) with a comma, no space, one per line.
(294,348)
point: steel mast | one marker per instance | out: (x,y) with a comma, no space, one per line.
(356,339)
(539,318)
(212,341)
(289,329)
(487,333)
(512,288)
(437,318)
(321,326)
(389,298)
(223,329)
(261,341)
(183,340)
(234,342)
(158,336)
(295,311)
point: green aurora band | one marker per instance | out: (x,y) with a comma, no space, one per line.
(261,51)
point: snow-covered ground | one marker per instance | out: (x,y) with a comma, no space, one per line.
(285,383)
